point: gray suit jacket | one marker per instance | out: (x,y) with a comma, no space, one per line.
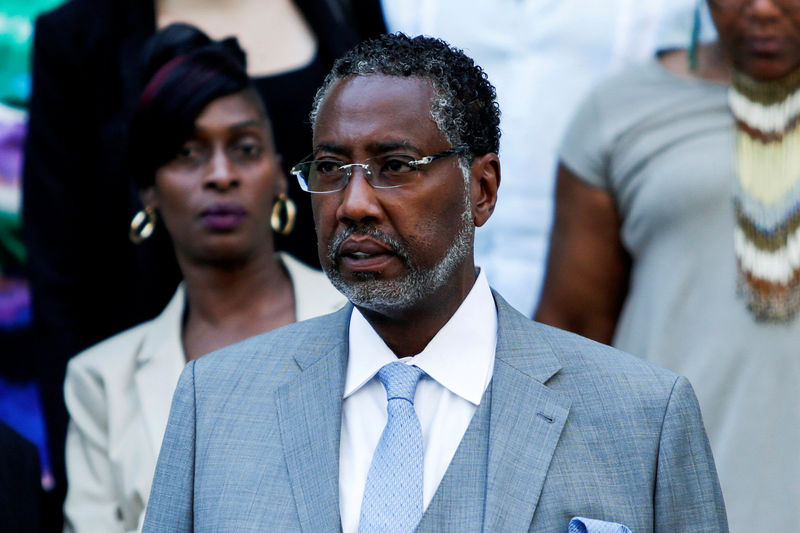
(567,427)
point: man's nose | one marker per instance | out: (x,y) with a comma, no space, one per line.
(222,173)
(359,201)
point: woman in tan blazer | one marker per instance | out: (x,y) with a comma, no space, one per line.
(203,153)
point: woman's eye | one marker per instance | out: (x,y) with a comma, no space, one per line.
(187,151)
(250,150)
(189,155)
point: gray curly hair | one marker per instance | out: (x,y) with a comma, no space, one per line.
(464,105)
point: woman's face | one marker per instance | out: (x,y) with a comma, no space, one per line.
(215,196)
(761,37)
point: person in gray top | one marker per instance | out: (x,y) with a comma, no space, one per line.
(653,251)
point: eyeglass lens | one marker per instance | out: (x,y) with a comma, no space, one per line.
(387,171)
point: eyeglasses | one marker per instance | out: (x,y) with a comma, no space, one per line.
(389,171)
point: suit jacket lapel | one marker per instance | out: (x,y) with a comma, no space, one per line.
(525,424)
(310,414)
(458,504)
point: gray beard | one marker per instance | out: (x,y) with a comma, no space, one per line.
(384,295)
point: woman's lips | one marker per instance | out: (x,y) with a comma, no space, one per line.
(764,45)
(223,217)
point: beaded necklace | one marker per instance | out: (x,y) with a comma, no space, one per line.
(767,194)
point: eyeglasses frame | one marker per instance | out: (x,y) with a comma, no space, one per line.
(425,160)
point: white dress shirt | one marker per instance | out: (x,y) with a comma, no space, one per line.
(458,363)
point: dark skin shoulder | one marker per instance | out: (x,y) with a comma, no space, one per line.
(587,267)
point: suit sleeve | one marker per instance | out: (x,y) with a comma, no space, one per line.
(171,505)
(688,496)
(92,503)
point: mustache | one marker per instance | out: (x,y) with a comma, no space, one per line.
(397,246)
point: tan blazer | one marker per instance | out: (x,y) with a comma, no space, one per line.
(118,394)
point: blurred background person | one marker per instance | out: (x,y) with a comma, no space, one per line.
(20,406)
(21,492)
(675,238)
(87,281)
(543,57)
(204,158)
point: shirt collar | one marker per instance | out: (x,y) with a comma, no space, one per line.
(460,357)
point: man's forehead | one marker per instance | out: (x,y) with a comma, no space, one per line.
(389,108)
(379,93)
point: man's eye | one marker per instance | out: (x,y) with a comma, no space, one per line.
(327,167)
(397,164)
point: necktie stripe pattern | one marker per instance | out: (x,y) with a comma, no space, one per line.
(393,493)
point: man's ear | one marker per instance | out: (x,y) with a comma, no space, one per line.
(485,179)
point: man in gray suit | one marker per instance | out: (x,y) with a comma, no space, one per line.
(513,426)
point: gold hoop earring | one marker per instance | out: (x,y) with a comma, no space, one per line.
(283,203)
(142,225)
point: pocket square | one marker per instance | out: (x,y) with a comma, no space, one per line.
(588,525)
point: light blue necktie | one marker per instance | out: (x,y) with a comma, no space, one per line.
(393,493)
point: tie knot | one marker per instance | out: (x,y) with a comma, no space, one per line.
(400,380)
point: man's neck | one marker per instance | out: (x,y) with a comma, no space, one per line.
(408,331)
